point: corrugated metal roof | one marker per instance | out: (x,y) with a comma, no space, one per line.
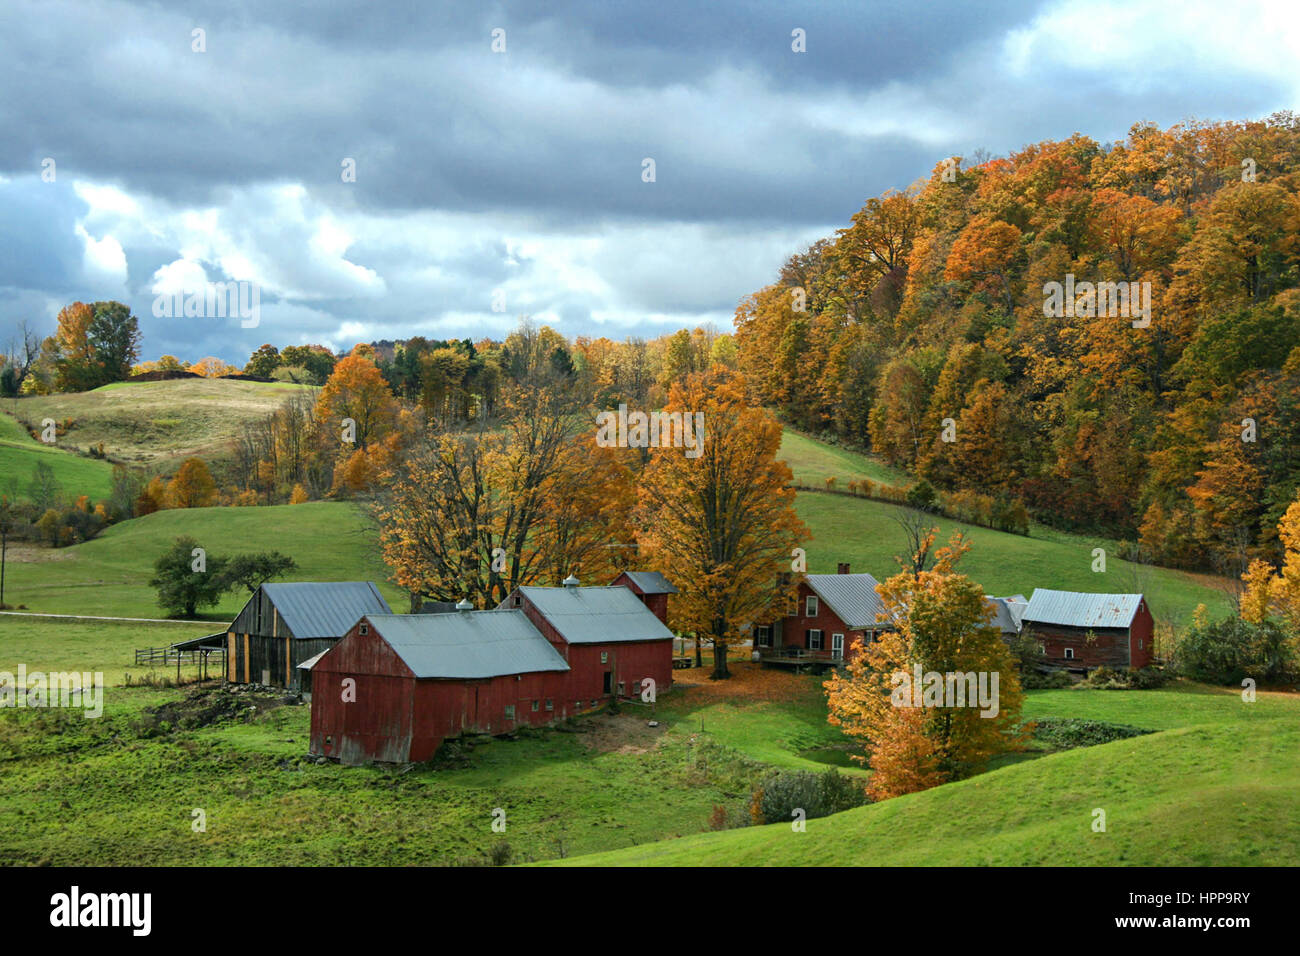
(468,644)
(324,608)
(310,662)
(651,582)
(852,597)
(1008,612)
(1080,609)
(597,615)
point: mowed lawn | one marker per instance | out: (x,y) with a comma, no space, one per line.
(110,574)
(151,422)
(20,454)
(865,534)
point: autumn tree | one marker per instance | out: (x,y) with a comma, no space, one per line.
(941,627)
(722,523)
(357,391)
(192,486)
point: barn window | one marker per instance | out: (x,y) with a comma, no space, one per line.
(550,705)
(604,657)
(593,703)
(763,635)
(621,691)
(510,711)
(536,706)
(1139,643)
(814,639)
(1069,653)
(365,628)
(516,600)
(810,606)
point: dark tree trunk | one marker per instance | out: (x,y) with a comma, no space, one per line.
(720,671)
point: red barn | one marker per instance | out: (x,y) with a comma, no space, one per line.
(832,611)
(1081,631)
(609,638)
(421,678)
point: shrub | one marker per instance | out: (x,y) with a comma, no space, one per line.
(1062,733)
(782,792)
(1108,678)
(1230,650)
(921,495)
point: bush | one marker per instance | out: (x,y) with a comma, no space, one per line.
(1108,678)
(1046,680)
(1230,650)
(921,495)
(782,792)
(1062,733)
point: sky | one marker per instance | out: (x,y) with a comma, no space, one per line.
(382,170)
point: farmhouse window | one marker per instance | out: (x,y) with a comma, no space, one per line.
(1069,653)
(810,606)
(814,639)
(510,711)
(763,635)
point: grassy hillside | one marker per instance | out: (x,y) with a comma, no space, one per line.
(20,454)
(110,574)
(1211,794)
(813,462)
(864,534)
(152,422)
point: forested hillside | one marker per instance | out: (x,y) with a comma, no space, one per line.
(921,331)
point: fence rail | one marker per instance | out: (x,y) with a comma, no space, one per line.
(163,656)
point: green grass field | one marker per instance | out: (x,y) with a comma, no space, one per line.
(20,454)
(152,423)
(813,462)
(109,575)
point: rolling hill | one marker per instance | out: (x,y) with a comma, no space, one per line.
(20,454)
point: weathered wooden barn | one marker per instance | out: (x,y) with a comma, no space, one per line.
(285,623)
(1007,613)
(1080,631)
(610,639)
(831,613)
(418,679)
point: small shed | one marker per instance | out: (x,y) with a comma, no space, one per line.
(285,623)
(398,685)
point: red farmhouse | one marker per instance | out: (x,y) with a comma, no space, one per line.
(1082,631)
(833,610)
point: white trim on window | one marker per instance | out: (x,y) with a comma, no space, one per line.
(763,635)
(1069,653)
(814,638)
(837,645)
(810,606)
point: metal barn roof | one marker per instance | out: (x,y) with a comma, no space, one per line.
(651,582)
(324,609)
(852,597)
(468,644)
(1007,612)
(1079,609)
(597,615)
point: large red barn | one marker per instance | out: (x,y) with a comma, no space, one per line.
(418,679)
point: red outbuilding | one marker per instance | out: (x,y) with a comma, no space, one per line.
(609,638)
(1080,631)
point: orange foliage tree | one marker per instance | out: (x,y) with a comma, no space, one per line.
(722,525)
(941,627)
